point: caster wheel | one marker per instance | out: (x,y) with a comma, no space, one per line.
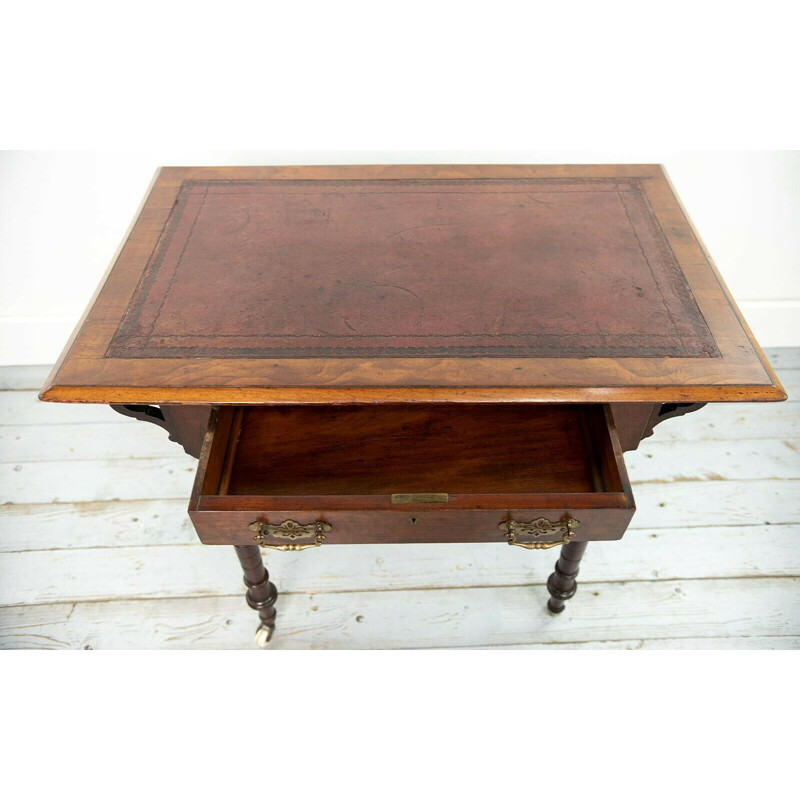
(263,635)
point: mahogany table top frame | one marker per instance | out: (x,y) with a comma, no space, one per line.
(100,366)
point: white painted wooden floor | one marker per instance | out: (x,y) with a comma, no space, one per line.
(96,549)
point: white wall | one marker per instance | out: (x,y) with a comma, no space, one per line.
(63,214)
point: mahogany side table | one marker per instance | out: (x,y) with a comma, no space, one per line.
(388,354)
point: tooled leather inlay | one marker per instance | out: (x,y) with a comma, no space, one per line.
(572,267)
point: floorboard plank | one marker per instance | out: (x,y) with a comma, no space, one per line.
(756,459)
(700,504)
(171,478)
(783,357)
(706,643)
(692,505)
(453,618)
(191,570)
(86,481)
(25,408)
(731,422)
(101,440)
(654,461)
(27,377)
(102,524)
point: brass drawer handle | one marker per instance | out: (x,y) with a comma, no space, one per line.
(290,530)
(536,528)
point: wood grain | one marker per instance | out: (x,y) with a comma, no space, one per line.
(90,373)
(343,466)
(97,524)
(316,450)
(78,481)
(475,617)
(192,570)
(688,505)
(69,442)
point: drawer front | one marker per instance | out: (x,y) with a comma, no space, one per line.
(558,484)
(413,525)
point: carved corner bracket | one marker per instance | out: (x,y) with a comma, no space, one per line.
(185,425)
(667,411)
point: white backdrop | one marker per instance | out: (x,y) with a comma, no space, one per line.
(63,214)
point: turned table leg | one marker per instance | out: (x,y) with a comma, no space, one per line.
(261,592)
(561,584)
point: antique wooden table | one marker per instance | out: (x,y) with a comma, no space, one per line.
(410,353)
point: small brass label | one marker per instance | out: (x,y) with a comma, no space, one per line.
(420,498)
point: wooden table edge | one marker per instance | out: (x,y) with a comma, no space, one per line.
(415,394)
(53,391)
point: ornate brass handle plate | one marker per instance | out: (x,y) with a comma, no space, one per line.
(536,528)
(290,530)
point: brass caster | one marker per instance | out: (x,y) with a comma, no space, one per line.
(263,635)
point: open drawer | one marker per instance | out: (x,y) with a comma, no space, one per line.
(291,477)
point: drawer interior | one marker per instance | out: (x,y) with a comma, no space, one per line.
(386,450)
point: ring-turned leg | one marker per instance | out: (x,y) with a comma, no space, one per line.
(561,584)
(261,592)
